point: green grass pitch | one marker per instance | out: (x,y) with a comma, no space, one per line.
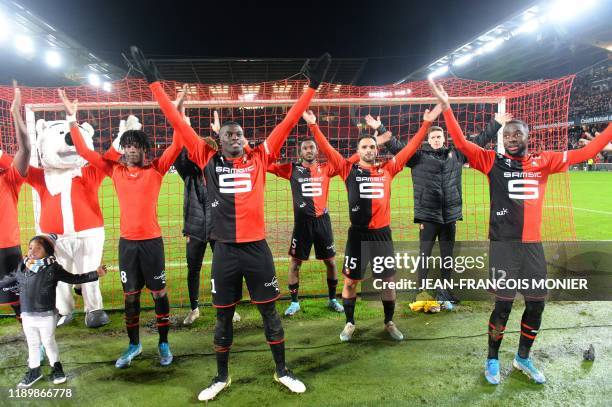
(439,363)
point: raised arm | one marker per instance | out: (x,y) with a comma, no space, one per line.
(199,151)
(21,160)
(597,144)
(280,170)
(489,133)
(91,156)
(66,277)
(162,165)
(588,138)
(334,158)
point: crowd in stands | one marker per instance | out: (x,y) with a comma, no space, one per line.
(591,92)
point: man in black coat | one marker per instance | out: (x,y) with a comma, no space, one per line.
(436,179)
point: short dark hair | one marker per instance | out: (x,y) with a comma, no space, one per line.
(136,138)
(434,128)
(45,243)
(519,123)
(307,139)
(227,124)
(364,136)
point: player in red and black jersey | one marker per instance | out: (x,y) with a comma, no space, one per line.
(517,184)
(12,176)
(312,225)
(141,248)
(236,182)
(368,183)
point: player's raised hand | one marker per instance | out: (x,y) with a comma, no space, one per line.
(587,139)
(70,108)
(431,115)
(102,270)
(373,123)
(315,70)
(439,93)
(309,117)
(503,118)
(215,126)
(383,138)
(16,105)
(148,68)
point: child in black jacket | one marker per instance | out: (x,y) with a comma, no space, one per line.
(37,277)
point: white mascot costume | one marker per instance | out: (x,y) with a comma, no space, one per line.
(68,192)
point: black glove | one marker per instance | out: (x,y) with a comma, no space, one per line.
(148,68)
(315,70)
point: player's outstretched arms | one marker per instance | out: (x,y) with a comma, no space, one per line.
(601,141)
(94,158)
(21,160)
(315,71)
(335,159)
(588,138)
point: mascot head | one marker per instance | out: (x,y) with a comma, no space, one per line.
(55,145)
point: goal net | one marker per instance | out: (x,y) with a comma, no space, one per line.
(340,110)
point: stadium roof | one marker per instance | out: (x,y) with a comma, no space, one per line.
(541,41)
(241,70)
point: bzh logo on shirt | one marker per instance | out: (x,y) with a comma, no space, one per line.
(311,186)
(503,212)
(235,180)
(371,187)
(273,283)
(215,203)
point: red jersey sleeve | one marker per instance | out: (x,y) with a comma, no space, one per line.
(36,177)
(397,163)
(281,170)
(336,163)
(112,155)
(91,156)
(479,158)
(5,160)
(169,156)
(277,138)
(199,151)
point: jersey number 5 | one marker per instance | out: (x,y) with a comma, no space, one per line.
(312,189)
(234,183)
(523,189)
(371,190)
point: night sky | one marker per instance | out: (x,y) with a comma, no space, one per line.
(398,36)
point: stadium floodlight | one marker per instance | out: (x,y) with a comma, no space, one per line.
(94,79)
(563,10)
(491,45)
(463,60)
(529,26)
(107,87)
(438,72)
(53,58)
(24,44)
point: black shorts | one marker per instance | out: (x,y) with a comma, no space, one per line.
(521,265)
(232,262)
(368,247)
(9,260)
(142,263)
(309,231)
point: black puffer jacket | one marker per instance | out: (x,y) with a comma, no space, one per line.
(436,178)
(196,217)
(37,290)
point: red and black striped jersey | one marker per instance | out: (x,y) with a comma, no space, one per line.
(309,186)
(10,184)
(517,185)
(235,185)
(369,188)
